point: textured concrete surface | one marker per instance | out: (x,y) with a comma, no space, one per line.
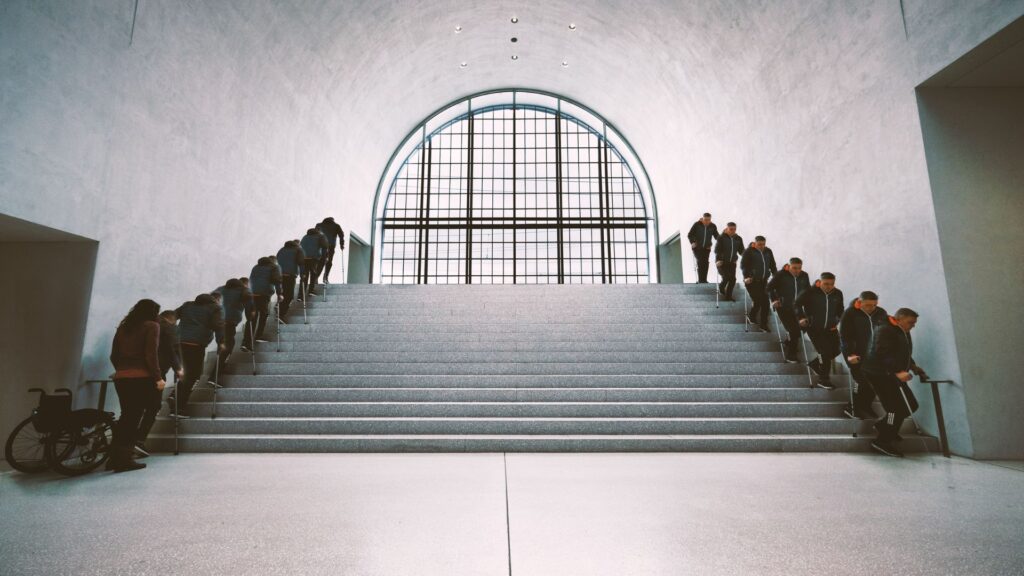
(672,514)
(974,139)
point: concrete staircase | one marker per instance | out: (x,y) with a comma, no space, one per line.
(521,368)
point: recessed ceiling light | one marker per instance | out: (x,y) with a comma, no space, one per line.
(514,39)
(564,64)
(463,65)
(515,20)
(515,57)
(458,29)
(572,26)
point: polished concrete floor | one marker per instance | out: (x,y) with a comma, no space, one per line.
(593,514)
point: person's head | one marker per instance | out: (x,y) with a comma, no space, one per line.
(827,281)
(706,218)
(796,266)
(206,298)
(759,242)
(244,281)
(217,297)
(264,261)
(234,283)
(330,219)
(730,228)
(169,316)
(311,231)
(906,319)
(868,301)
(272,258)
(145,310)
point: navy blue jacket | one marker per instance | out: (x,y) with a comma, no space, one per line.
(785,287)
(200,321)
(265,280)
(757,264)
(236,302)
(893,351)
(333,232)
(314,245)
(291,260)
(728,248)
(822,310)
(702,235)
(857,329)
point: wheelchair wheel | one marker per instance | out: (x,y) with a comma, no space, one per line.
(25,450)
(80,448)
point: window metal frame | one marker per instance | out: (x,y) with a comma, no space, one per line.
(465,110)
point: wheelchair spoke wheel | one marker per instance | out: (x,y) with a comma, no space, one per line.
(25,450)
(78,450)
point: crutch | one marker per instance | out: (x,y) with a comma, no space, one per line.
(252,338)
(216,384)
(277,316)
(344,279)
(807,360)
(176,413)
(302,287)
(775,314)
(718,285)
(746,314)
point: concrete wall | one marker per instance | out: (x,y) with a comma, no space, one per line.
(974,140)
(222,128)
(43,322)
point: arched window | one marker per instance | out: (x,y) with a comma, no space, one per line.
(514,192)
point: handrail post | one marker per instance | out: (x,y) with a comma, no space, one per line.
(943,439)
(102,402)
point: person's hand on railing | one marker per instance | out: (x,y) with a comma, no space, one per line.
(777,304)
(161,384)
(920,372)
(853,359)
(748,280)
(804,322)
(904,376)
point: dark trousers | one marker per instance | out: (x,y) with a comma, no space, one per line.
(864,394)
(888,389)
(149,414)
(192,357)
(134,395)
(703,256)
(728,276)
(310,273)
(758,290)
(288,283)
(826,344)
(258,323)
(791,325)
(230,334)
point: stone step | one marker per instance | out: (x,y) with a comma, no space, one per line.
(296,394)
(518,425)
(445,380)
(496,357)
(302,333)
(681,347)
(530,443)
(724,366)
(524,330)
(605,409)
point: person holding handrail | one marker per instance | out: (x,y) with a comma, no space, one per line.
(199,322)
(169,358)
(135,356)
(857,328)
(783,289)
(889,366)
(701,236)
(758,265)
(727,253)
(819,309)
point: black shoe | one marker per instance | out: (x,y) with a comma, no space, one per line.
(262,339)
(764,328)
(171,413)
(751,320)
(127,466)
(792,359)
(826,384)
(140,451)
(281,320)
(883,447)
(246,348)
(850,413)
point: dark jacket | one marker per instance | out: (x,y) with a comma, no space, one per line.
(893,351)
(857,329)
(200,321)
(785,287)
(333,232)
(265,280)
(822,310)
(728,248)
(702,235)
(758,264)
(236,302)
(169,352)
(134,352)
(314,245)
(291,260)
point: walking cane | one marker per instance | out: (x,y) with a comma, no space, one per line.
(216,384)
(779,330)
(176,414)
(746,315)
(718,285)
(807,360)
(277,315)
(344,279)
(302,287)
(252,338)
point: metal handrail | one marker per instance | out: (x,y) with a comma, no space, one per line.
(943,439)
(102,402)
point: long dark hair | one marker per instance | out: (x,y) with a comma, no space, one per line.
(145,310)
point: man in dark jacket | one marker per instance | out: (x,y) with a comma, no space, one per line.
(727,253)
(264,282)
(783,289)
(169,357)
(335,240)
(758,265)
(199,322)
(291,259)
(701,236)
(819,309)
(314,246)
(237,304)
(889,365)
(857,328)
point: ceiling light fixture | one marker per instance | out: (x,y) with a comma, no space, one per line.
(458,29)
(463,65)
(515,20)
(514,39)
(572,26)
(565,64)
(515,57)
